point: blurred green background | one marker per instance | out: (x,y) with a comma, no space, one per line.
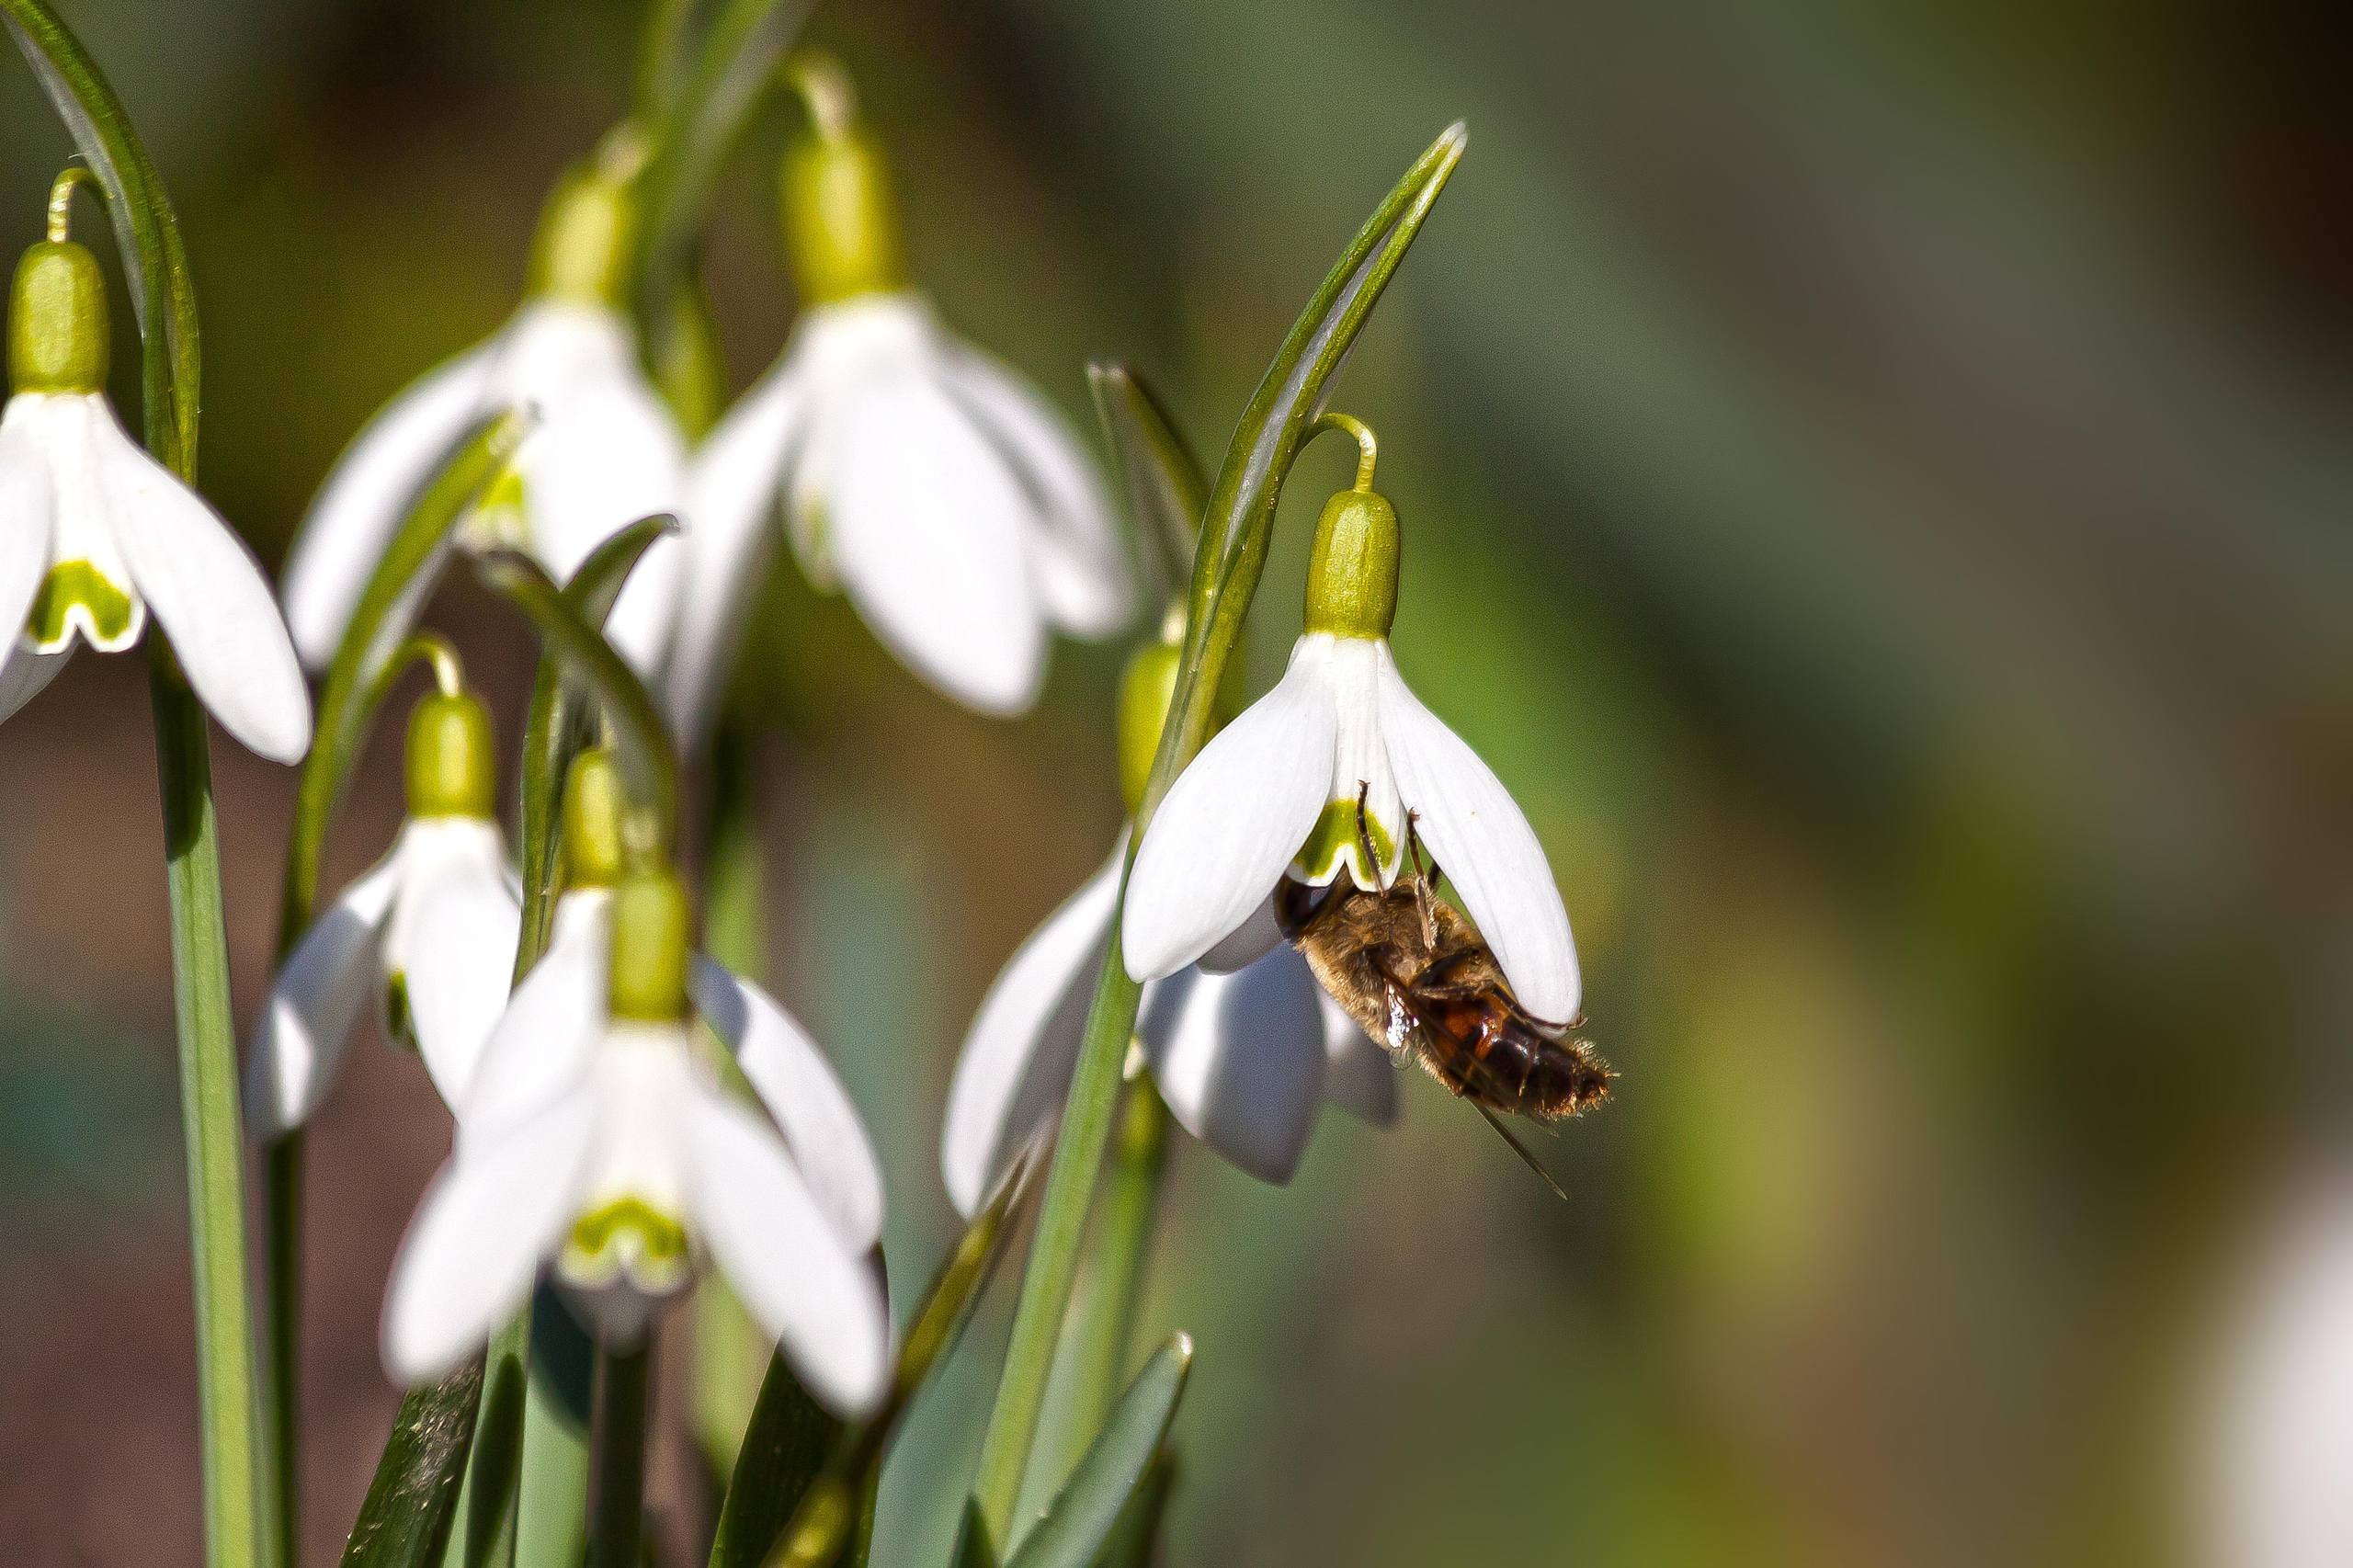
(1875,484)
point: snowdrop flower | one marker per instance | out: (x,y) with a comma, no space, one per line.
(602,451)
(1244,1046)
(916,475)
(427,933)
(1278,791)
(96,534)
(611,1154)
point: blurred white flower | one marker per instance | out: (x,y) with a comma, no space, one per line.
(1243,1047)
(1278,792)
(428,933)
(99,533)
(602,450)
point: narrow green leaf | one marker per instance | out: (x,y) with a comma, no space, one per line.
(1238,518)
(1081,1519)
(973,1549)
(405,1516)
(147,232)
(828,1518)
(561,720)
(1166,487)
(1136,1537)
(689,144)
(784,1451)
(647,762)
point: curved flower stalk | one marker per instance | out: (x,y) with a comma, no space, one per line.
(1335,769)
(596,1143)
(100,535)
(427,933)
(1241,1044)
(915,474)
(603,452)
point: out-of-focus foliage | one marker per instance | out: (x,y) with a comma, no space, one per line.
(1873,481)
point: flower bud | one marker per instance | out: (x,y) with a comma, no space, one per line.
(841,228)
(57,321)
(1352,566)
(452,767)
(1145,691)
(593,807)
(582,250)
(653,934)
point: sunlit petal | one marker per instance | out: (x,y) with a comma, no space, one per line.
(1239,1058)
(1231,823)
(1478,837)
(28,513)
(314,1003)
(460,962)
(544,1042)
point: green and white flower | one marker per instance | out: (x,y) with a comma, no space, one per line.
(427,933)
(1244,1046)
(916,475)
(598,1143)
(1278,793)
(96,534)
(603,450)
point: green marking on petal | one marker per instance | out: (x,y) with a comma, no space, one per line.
(107,614)
(628,1233)
(400,1022)
(1336,836)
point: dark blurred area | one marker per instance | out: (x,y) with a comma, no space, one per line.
(1875,484)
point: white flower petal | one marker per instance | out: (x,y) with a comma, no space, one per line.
(204,585)
(476,1244)
(1258,935)
(1478,837)
(801,1282)
(1361,775)
(1083,576)
(732,485)
(1231,822)
(925,530)
(460,963)
(546,1039)
(28,517)
(1358,1077)
(366,494)
(1239,1058)
(1013,1071)
(798,1086)
(315,1003)
(601,462)
(24,671)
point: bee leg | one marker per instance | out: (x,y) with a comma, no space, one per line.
(1422,895)
(1370,859)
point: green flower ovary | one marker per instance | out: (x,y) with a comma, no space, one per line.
(108,614)
(1334,837)
(630,1234)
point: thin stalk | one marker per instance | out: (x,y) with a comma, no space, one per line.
(281,1202)
(240,1513)
(617,1508)
(1106,1330)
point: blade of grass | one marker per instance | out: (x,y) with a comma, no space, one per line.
(405,1516)
(1238,519)
(1082,1518)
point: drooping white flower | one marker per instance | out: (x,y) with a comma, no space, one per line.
(1278,792)
(96,534)
(602,450)
(916,475)
(1242,1046)
(595,1142)
(427,933)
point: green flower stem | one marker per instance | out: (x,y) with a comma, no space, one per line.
(1236,526)
(624,1384)
(239,1517)
(1106,1328)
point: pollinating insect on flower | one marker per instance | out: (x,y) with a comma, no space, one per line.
(97,534)
(1340,768)
(427,933)
(915,474)
(603,450)
(598,1144)
(1241,1045)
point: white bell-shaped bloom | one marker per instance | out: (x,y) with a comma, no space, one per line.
(98,535)
(1277,792)
(920,478)
(601,452)
(1243,1046)
(639,1164)
(427,933)
(605,1147)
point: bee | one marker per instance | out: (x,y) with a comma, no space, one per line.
(1413,971)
